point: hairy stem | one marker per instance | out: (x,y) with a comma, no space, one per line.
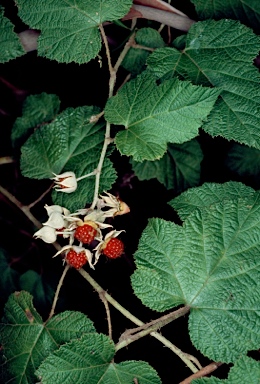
(137,321)
(202,372)
(58,291)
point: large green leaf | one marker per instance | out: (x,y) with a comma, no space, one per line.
(88,360)
(245,370)
(208,194)
(220,54)
(247,11)
(26,340)
(37,109)
(69,28)
(211,263)
(69,143)
(244,160)
(178,169)
(11,47)
(154,115)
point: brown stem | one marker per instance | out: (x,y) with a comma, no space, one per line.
(202,372)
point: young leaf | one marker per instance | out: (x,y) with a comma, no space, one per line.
(208,194)
(178,169)
(88,360)
(37,109)
(69,143)
(69,29)
(135,59)
(154,115)
(245,370)
(11,47)
(26,340)
(220,54)
(247,11)
(211,264)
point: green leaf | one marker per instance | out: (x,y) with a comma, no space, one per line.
(69,29)
(35,284)
(211,264)
(11,47)
(244,160)
(88,360)
(135,59)
(208,194)
(220,54)
(247,11)
(245,370)
(154,115)
(26,340)
(37,109)
(69,143)
(178,169)
(9,276)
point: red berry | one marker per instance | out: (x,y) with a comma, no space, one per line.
(113,248)
(85,233)
(76,260)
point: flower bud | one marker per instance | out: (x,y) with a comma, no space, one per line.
(65,182)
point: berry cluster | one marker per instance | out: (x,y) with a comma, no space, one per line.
(85,226)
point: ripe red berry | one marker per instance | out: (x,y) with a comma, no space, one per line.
(113,248)
(85,233)
(76,260)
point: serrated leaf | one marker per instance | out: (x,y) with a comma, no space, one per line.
(247,11)
(37,109)
(9,276)
(11,47)
(178,169)
(208,194)
(154,115)
(211,264)
(35,284)
(135,58)
(244,160)
(69,29)
(26,340)
(88,360)
(220,54)
(245,370)
(69,143)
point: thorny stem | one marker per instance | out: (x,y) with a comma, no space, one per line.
(137,321)
(58,291)
(202,372)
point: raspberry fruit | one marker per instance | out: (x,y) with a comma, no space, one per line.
(76,260)
(113,248)
(85,233)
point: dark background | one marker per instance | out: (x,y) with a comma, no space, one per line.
(75,86)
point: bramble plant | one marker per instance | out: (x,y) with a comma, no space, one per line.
(171,81)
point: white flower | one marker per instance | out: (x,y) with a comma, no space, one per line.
(56,208)
(56,220)
(65,182)
(47,234)
(117,206)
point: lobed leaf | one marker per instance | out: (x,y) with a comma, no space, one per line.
(37,109)
(220,54)
(70,143)
(211,264)
(154,115)
(178,169)
(247,11)
(88,360)
(11,48)
(208,194)
(26,340)
(69,29)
